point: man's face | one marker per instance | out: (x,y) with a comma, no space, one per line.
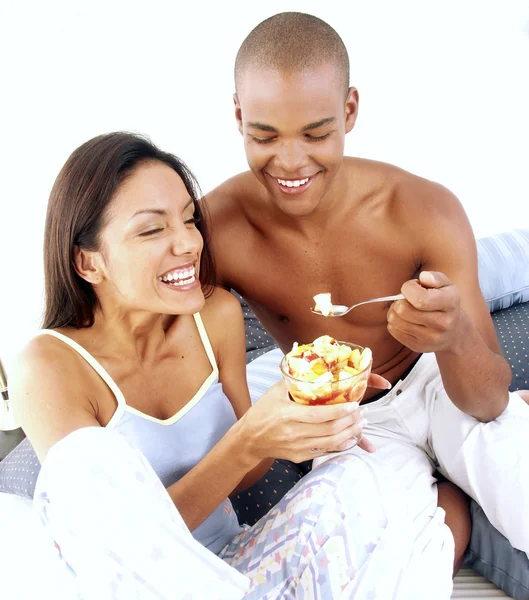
(294,128)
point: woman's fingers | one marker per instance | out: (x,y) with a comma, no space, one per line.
(301,431)
(366,445)
(284,429)
(378,382)
(347,437)
(320,413)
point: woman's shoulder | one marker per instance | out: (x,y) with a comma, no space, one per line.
(49,363)
(51,393)
(221,305)
(223,318)
(43,349)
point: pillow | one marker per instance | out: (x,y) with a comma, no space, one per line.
(512,328)
(258,341)
(19,471)
(503,268)
(9,440)
(490,554)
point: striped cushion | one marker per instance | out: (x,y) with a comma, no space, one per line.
(503,266)
(263,372)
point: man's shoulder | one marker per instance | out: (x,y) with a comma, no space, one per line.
(386,174)
(403,189)
(230,195)
(425,197)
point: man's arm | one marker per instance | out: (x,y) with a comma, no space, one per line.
(445,312)
(222,216)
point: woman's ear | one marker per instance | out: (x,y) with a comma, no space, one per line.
(88,265)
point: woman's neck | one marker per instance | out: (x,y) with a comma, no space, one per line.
(135,334)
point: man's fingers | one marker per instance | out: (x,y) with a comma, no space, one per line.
(426,299)
(433,279)
(435,319)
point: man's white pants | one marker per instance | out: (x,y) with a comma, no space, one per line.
(416,429)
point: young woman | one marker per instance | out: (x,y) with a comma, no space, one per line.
(138,341)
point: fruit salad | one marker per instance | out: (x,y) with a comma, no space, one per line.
(327,371)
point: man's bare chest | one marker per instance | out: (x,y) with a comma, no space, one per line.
(279,283)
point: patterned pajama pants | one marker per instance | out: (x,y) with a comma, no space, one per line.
(341,532)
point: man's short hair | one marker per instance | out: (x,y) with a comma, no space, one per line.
(292,42)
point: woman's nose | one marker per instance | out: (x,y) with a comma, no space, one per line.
(186,241)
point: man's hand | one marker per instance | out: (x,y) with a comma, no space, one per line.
(427,320)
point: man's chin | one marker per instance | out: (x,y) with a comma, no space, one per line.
(297,208)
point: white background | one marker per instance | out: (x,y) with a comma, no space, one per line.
(444,89)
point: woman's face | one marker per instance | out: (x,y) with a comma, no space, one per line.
(150,246)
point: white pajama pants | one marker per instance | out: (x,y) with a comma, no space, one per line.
(341,532)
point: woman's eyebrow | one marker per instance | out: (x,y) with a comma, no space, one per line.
(154,211)
(157,211)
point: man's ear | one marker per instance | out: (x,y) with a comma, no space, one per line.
(88,265)
(238,112)
(351,109)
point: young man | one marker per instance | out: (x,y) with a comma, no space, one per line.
(305,219)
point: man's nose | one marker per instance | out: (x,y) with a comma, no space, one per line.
(290,156)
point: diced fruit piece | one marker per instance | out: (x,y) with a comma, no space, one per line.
(324,378)
(318,367)
(350,371)
(331,357)
(298,367)
(343,374)
(344,352)
(323,304)
(365,359)
(354,358)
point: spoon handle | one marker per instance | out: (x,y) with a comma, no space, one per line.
(383,299)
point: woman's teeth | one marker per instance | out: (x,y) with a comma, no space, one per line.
(293,182)
(179,276)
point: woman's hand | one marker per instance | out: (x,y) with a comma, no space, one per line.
(277,427)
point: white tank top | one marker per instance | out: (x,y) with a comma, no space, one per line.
(175,445)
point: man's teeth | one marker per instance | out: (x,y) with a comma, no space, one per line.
(179,276)
(293,182)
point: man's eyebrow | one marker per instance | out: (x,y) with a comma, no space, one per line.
(319,123)
(270,129)
(262,127)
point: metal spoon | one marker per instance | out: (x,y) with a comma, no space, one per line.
(338,310)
